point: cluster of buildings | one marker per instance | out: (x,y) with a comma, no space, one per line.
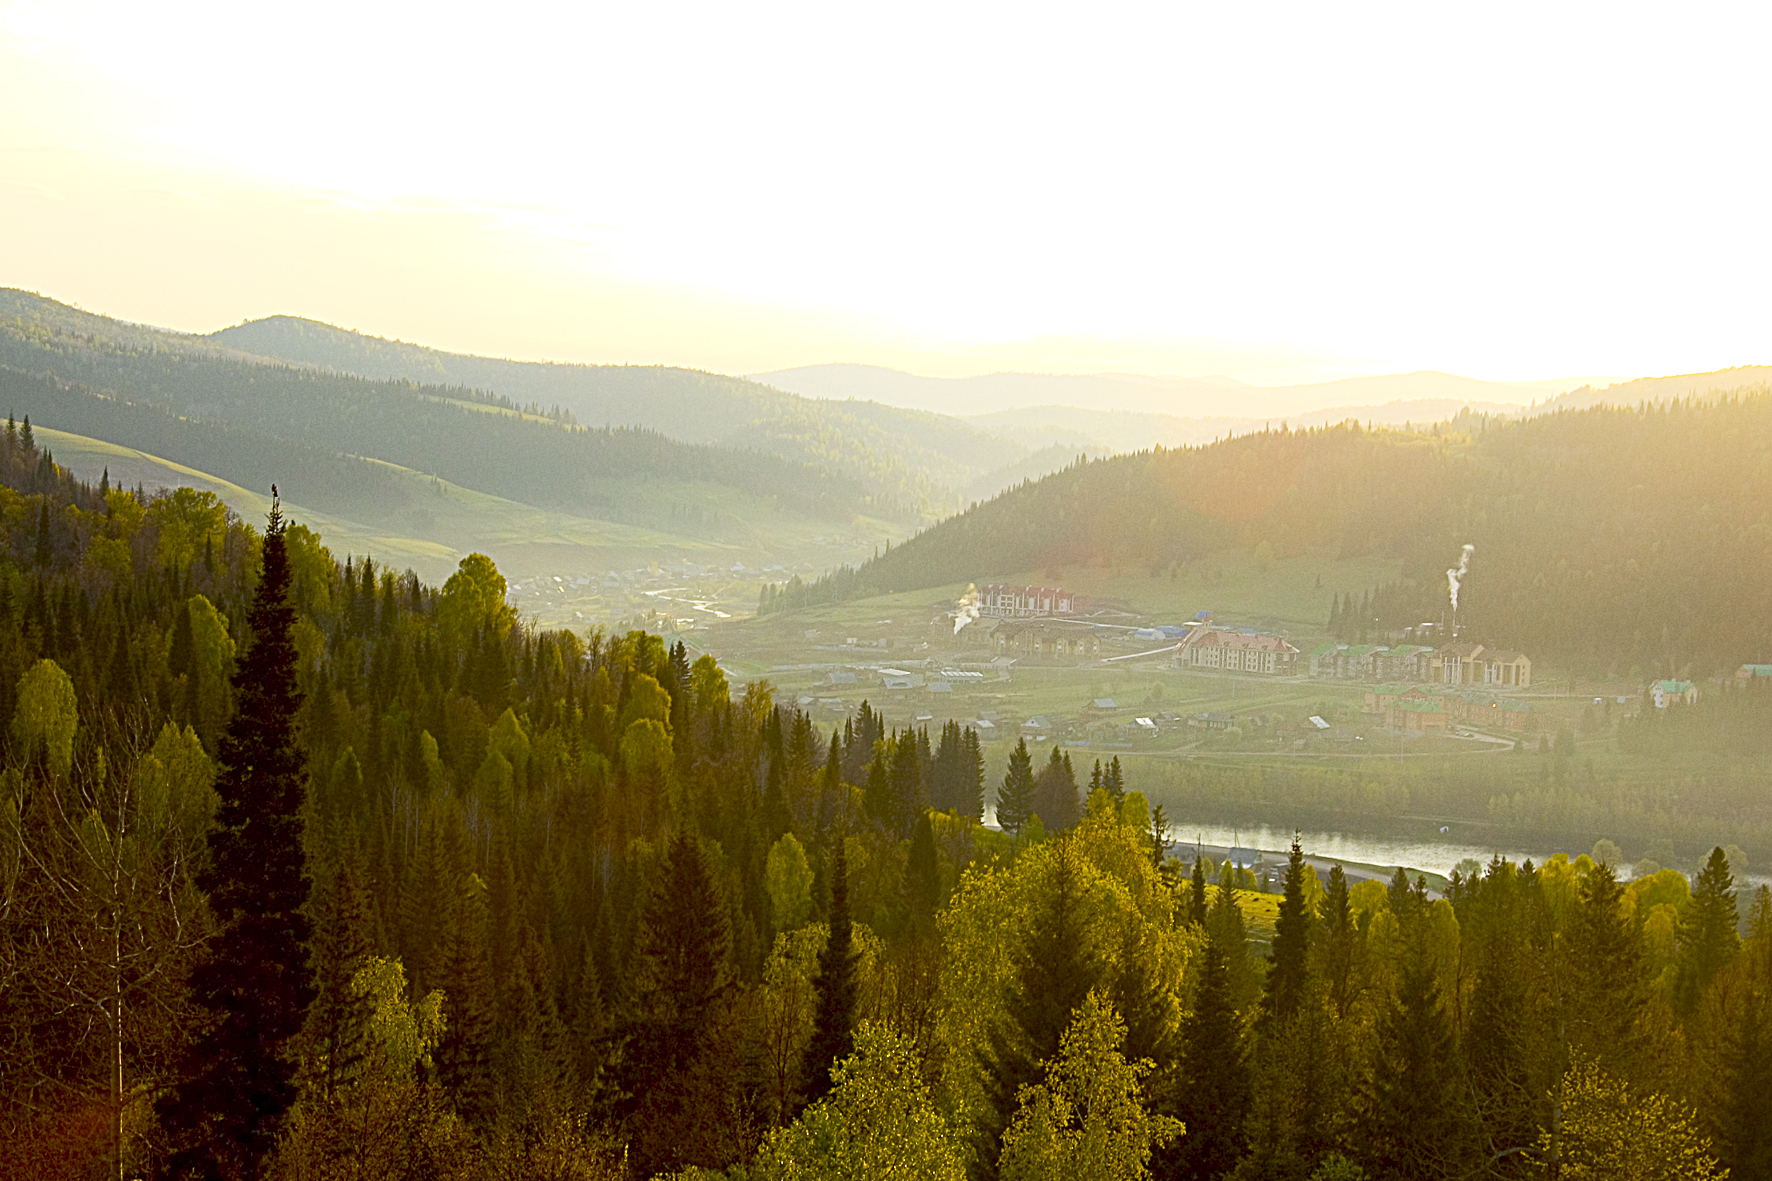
(1436,707)
(1449,664)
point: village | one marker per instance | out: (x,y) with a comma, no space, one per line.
(1053,667)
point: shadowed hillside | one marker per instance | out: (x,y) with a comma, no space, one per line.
(1611,538)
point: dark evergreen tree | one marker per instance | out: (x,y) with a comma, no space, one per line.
(904,786)
(971,783)
(465,1056)
(1197,891)
(1509,1080)
(922,876)
(1214,1084)
(1337,945)
(1287,978)
(1055,794)
(1114,780)
(1709,930)
(833,1022)
(238,1078)
(1055,967)
(1015,799)
(1607,999)
(670,1072)
(1416,1125)
(1159,838)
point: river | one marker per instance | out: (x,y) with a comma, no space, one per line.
(1428,856)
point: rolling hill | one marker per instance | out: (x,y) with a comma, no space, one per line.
(445,431)
(917,458)
(1610,538)
(1213,397)
(385,456)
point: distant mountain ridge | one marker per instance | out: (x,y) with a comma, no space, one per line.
(1212,397)
(918,458)
(334,441)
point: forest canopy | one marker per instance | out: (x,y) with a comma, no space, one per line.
(566,905)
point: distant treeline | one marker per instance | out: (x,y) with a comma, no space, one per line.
(1608,539)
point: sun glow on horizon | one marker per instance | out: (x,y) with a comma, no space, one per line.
(1287,196)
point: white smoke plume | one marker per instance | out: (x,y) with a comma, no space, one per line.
(1454,577)
(967,611)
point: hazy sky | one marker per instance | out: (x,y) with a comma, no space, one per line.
(1278,192)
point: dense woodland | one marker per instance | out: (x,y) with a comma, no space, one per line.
(309,870)
(1607,540)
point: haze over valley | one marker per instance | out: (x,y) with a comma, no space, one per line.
(800,593)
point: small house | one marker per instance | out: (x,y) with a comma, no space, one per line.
(1753,674)
(1666,693)
(1419,714)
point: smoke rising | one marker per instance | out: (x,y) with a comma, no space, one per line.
(967,610)
(1456,576)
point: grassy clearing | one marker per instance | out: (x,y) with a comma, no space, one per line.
(449,521)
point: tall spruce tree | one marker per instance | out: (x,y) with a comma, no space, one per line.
(1709,935)
(675,1073)
(833,1022)
(1214,1091)
(238,1077)
(1418,1121)
(1015,799)
(1286,977)
(1056,965)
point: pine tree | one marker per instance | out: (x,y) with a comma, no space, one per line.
(1286,978)
(1197,892)
(971,777)
(1507,1078)
(1609,991)
(1055,794)
(833,1023)
(1055,967)
(684,974)
(464,1058)
(1015,799)
(922,875)
(904,786)
(1417,1123)
(338,1021)
(1338,944)
(225,1113)
(1215,1086)
(1709,935)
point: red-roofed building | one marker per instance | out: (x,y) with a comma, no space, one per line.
(1240,652)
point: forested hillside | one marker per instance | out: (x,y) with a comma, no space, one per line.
(914,457)
(1608,538)
(308,869)
(217,409)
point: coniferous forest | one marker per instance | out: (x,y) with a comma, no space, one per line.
(310,870)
